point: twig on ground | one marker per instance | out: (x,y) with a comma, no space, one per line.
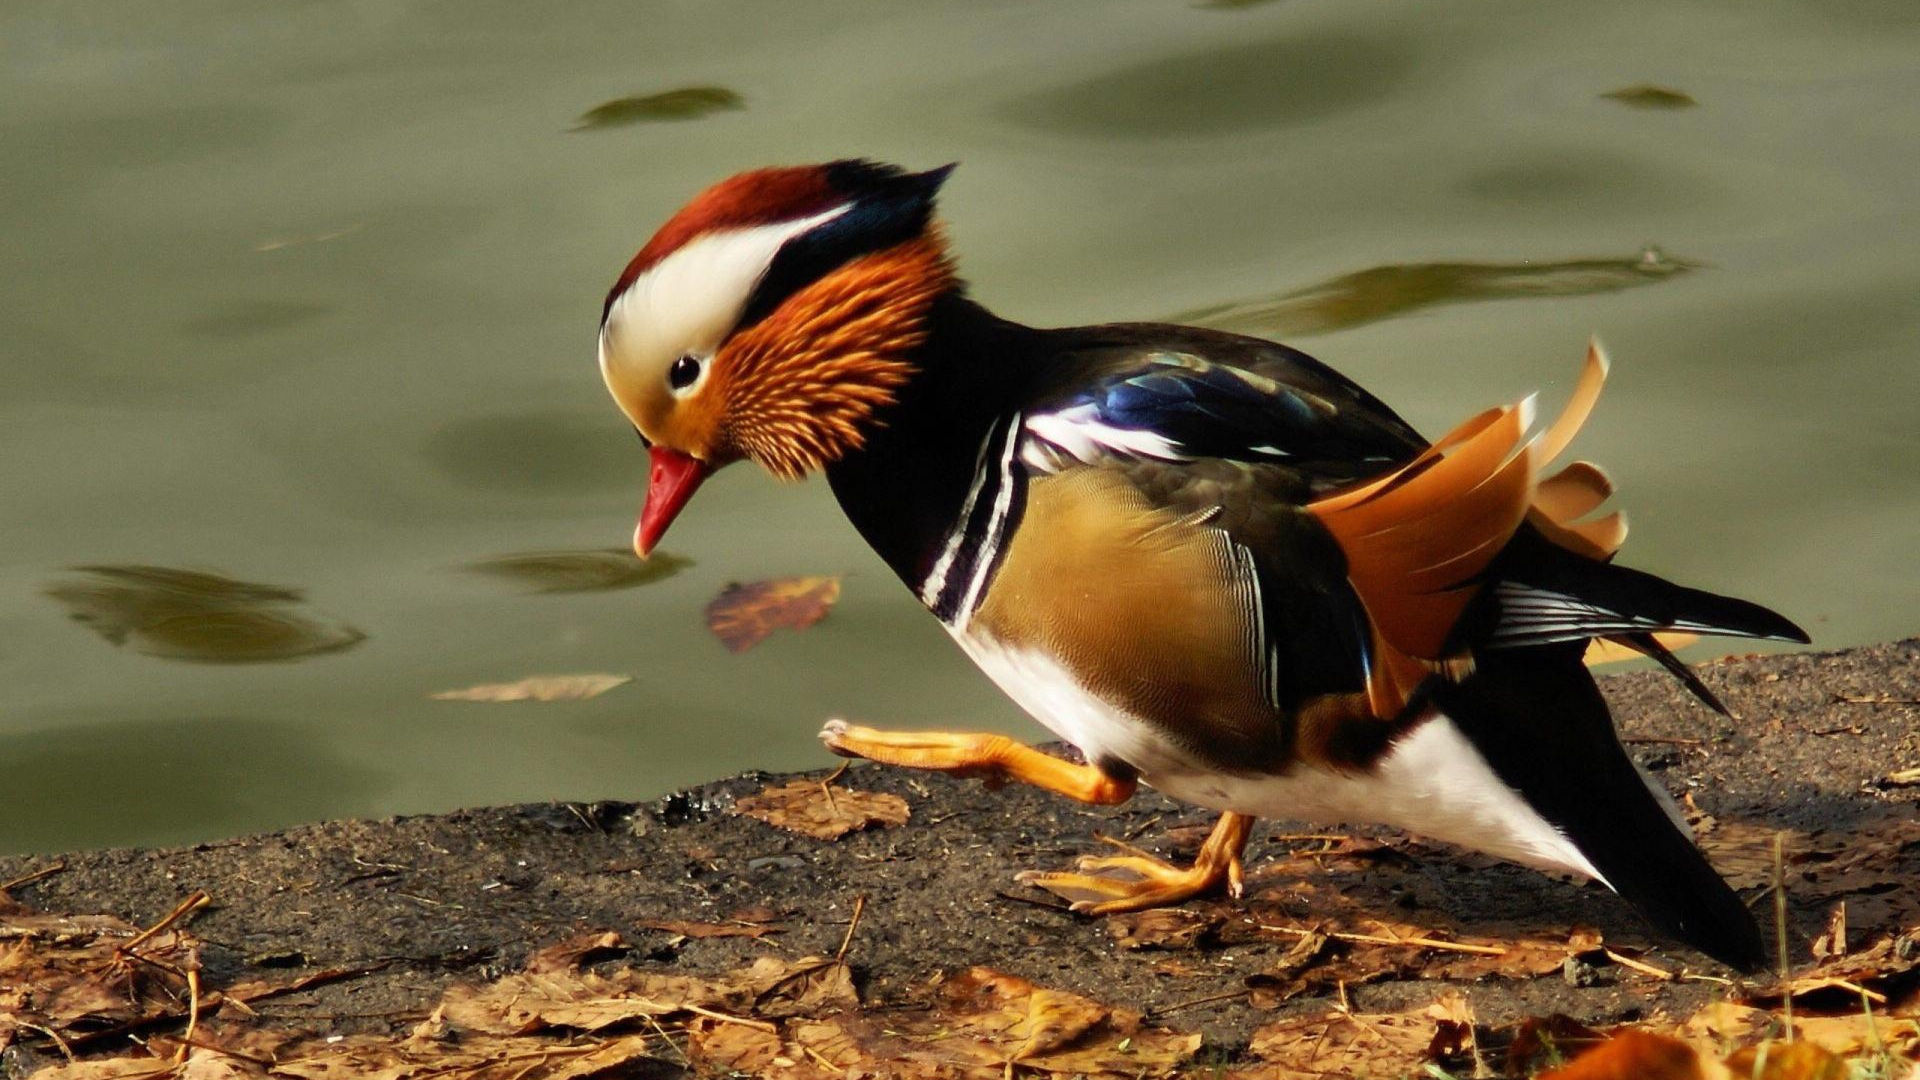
(1374,939)
(1640,966)
(30,878)
(1208,1000)
(859,907)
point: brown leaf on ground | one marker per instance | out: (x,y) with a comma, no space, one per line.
(743,615)
(1885,975)
(1340,1044)
(1786,1061)
(822,811)
(1636,1055)
(63,973)
(588,1001)
(539,688)
(573,952)
(1161,928)
(984,1023)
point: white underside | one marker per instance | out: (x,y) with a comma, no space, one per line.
(1432,782)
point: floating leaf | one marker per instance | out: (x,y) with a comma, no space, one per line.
(743,615)
(539,688)
(1385,292)
(824,812)
(686,103)
(592,570)
(1649,96)
(193,615)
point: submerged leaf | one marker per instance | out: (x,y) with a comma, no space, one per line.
(539,688)
(824,812)
(743,615)
(193,615)
(1649,96)
(1385,292)
(592,570)
(685,103)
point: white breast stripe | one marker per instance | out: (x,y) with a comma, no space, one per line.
(936,582)
(989,550)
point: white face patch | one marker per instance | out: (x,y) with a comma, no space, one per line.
(689,301)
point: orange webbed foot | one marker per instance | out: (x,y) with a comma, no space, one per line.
(994,758)
(1153,882)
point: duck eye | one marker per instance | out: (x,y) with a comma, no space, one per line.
(683,372)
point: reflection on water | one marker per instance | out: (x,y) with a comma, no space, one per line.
(246,318)
(582,571)
(553,452)
(164,778)
(1249,86)
(686,103)
(193,615)
(1649,96)
(1385,292)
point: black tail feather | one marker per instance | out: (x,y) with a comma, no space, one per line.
(1540,722)
(1541,593)
(1650,646)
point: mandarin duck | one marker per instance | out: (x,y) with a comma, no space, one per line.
(1209,562)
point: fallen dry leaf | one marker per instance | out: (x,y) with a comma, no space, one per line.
(1786,1061)
(573,952)
(815,809)
(72,973)
(1341,1044)
(1635,1055)
(743,615)
(984,1023)
(1161,928)
(539,688)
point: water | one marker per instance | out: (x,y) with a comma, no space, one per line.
(304,297)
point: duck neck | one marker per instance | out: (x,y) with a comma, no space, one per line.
(937,475)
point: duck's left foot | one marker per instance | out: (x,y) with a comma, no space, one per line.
(1096,890)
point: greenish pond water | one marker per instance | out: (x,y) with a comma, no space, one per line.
(297,339)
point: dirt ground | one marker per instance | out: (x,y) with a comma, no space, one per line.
(1825,749)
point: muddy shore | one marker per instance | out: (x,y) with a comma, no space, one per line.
(1825,748)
